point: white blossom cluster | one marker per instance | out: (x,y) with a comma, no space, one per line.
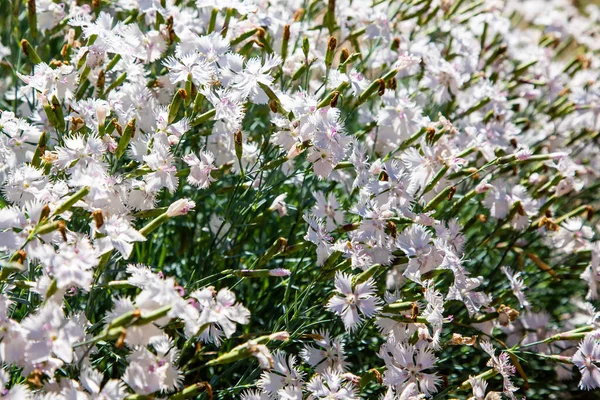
(429,171)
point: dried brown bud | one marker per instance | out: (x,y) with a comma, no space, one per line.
(584,60)
(64,50)
(514,143)
(95,3)
(392,84)
(182,93)
(396,44)
(261,33)
(98,218)
(377,374)
(298,14)
(121,340)
(344,55)
(273,105)
(451,192)
(392,230)
(334,99)
(62,229)
(414,311)
(35,378)
(331,6)
(286,32)
(520,208)
(21,256)
(482,217)
(460,340)
(100,81)
(549,223)
(58,63)
(238,137)
(506,315)
(332,43)
(76,123)
(137,313)
(118,127)
(45,212)
(590,212)
(381,90)
(170,30)
(430,133)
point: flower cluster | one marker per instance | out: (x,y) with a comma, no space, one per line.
(299,200)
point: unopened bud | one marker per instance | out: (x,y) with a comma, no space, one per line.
(280,272)
(180,207)
(331,45)
(305,47)
(30,52)
(238,139)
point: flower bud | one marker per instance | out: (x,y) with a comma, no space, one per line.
(30,52)
(180,207)
(331,45)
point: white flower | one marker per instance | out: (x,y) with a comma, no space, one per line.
(247,81)
(328,208)
(587,359)
(219,314)
(517,285)
(328,355)
(330,385)
(50,338)
(284,375)
(407,364)
(350,301)
(119,235)
(189,64)
(502,365)
(279,205)
(200,169)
